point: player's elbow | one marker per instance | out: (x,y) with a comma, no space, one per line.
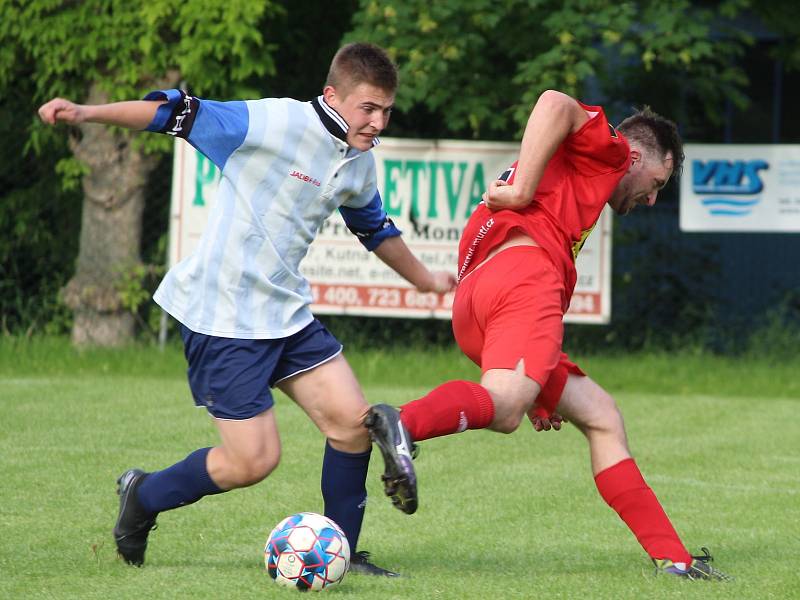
(555,100)
(561,108)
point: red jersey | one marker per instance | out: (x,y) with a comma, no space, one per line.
(575,186)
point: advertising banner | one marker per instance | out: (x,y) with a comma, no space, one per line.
(429,189)
(741,188)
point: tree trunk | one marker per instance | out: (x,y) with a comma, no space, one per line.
(111,230)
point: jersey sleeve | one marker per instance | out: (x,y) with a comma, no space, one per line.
(216,129)
(369,223)
(596,147)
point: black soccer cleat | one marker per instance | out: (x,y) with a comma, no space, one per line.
(398,449)
(699,569)
(360,563)
(133,523)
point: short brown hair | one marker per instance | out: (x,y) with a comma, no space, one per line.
(653,132)
(362,63)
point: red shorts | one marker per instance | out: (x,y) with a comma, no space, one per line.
(509,309)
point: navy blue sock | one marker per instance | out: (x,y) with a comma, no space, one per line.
(181,484)
(344,490)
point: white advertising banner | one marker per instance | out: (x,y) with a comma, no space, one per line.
(741,188)
(429,188)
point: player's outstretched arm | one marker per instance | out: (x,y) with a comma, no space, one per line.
(553,118)
(396,254)
(133,114)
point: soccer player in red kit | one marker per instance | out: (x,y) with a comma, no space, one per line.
(516,278)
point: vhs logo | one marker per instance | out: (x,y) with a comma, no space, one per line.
(730,182)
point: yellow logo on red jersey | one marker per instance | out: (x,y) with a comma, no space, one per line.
(577,246)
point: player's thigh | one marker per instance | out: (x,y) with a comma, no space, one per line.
(313,372)
(589,407)
(519,308)
(229,377)
(331,396)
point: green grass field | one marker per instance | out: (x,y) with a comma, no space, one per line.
(513,516)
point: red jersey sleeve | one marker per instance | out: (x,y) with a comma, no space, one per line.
(597,147)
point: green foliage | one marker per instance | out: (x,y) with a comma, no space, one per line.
(131,285)
(129,48)
(778,334)
(71,171)
(135,286)
(38,221)
(480,65)
(778,15)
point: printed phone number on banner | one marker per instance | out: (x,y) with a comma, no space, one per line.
(379,297)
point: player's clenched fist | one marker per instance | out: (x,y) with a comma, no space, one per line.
(502,195)
(59,109)
(443,282)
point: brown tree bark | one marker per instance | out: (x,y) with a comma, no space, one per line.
(111,230)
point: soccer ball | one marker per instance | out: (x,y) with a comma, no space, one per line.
(307,551)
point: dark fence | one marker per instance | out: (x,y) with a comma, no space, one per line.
(712,290)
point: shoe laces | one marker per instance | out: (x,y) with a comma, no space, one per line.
(361,555)
(706,556)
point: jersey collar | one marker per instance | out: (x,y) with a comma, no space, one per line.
(332,120)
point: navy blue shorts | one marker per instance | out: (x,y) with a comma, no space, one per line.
(232,378)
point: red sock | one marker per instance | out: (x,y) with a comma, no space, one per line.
(450,408)
(625,490)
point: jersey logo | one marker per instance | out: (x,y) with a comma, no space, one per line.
(305,178)
(473,247)
(577,246)
(613,131)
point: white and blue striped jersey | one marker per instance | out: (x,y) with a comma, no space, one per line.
(285,168)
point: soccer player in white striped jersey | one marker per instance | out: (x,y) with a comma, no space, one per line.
(241,301)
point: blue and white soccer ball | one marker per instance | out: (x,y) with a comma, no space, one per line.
(307,551)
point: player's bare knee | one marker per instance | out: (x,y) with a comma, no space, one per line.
(513,393)
(258,469)
(508,424)
(245,471)
(508,413)
(350,440)
(348,437)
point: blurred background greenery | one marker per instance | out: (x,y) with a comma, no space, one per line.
(470,69)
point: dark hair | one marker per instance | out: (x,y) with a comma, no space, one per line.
(653,132)
(362,63)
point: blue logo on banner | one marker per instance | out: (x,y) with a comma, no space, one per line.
(729,181)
